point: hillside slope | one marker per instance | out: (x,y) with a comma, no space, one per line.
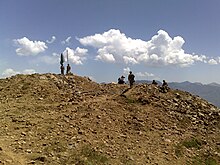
(51,119)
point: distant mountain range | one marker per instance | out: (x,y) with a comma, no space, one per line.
(210,92)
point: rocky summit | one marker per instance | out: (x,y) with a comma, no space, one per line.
(70,120)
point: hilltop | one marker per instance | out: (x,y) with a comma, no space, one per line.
(53,119)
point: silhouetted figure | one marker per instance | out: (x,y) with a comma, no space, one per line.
(68,68)
(154,82)
(131,79)
(164,88)
(121,80)
(62,69)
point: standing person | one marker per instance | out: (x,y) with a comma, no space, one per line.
(131,78)
(68,68)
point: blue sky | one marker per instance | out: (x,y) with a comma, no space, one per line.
(176,40)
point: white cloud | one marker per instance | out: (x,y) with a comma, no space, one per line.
(145,74)
(212,62)
(129,60)
(28,71)
(66,41)
(106,57)
(80,52)
(126,70)
(161,50)
(218,59)
(76,56)
(11,72)
(52,40)
(27,47)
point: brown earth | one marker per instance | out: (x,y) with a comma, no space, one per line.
(52,119)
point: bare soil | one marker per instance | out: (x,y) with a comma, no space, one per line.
(70,120)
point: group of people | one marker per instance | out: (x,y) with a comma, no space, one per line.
(164,88)
(62,68)
(121,80)
(131,76)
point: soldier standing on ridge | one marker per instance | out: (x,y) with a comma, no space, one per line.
(131,79)
(68,68)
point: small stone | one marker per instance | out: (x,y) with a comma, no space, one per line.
(32,162)
(23,133)
(28,150)
(80,132)
(166,152)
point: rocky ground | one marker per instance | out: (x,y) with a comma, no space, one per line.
(52,119)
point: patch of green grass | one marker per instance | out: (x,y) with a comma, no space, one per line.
(192,143)
(178,150)
(126,161)
(128,100)
(210,161)
(93,157)
(25,86)
(203,160)
(84,156)
(196,161)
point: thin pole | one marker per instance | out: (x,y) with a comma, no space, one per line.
(67,56)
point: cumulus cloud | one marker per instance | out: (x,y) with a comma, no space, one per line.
(11,72)
(52,40)
(145,74)
(161,50)
(76,56)
(126,70)
(27,47)
(66,41)
(106,57)
(212,62)
(28,71)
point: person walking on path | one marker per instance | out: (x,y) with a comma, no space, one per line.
(131,80)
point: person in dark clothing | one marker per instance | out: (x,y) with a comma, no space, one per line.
(131,79)
(154,82)
(68,68)
(164,88)
(121,80)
